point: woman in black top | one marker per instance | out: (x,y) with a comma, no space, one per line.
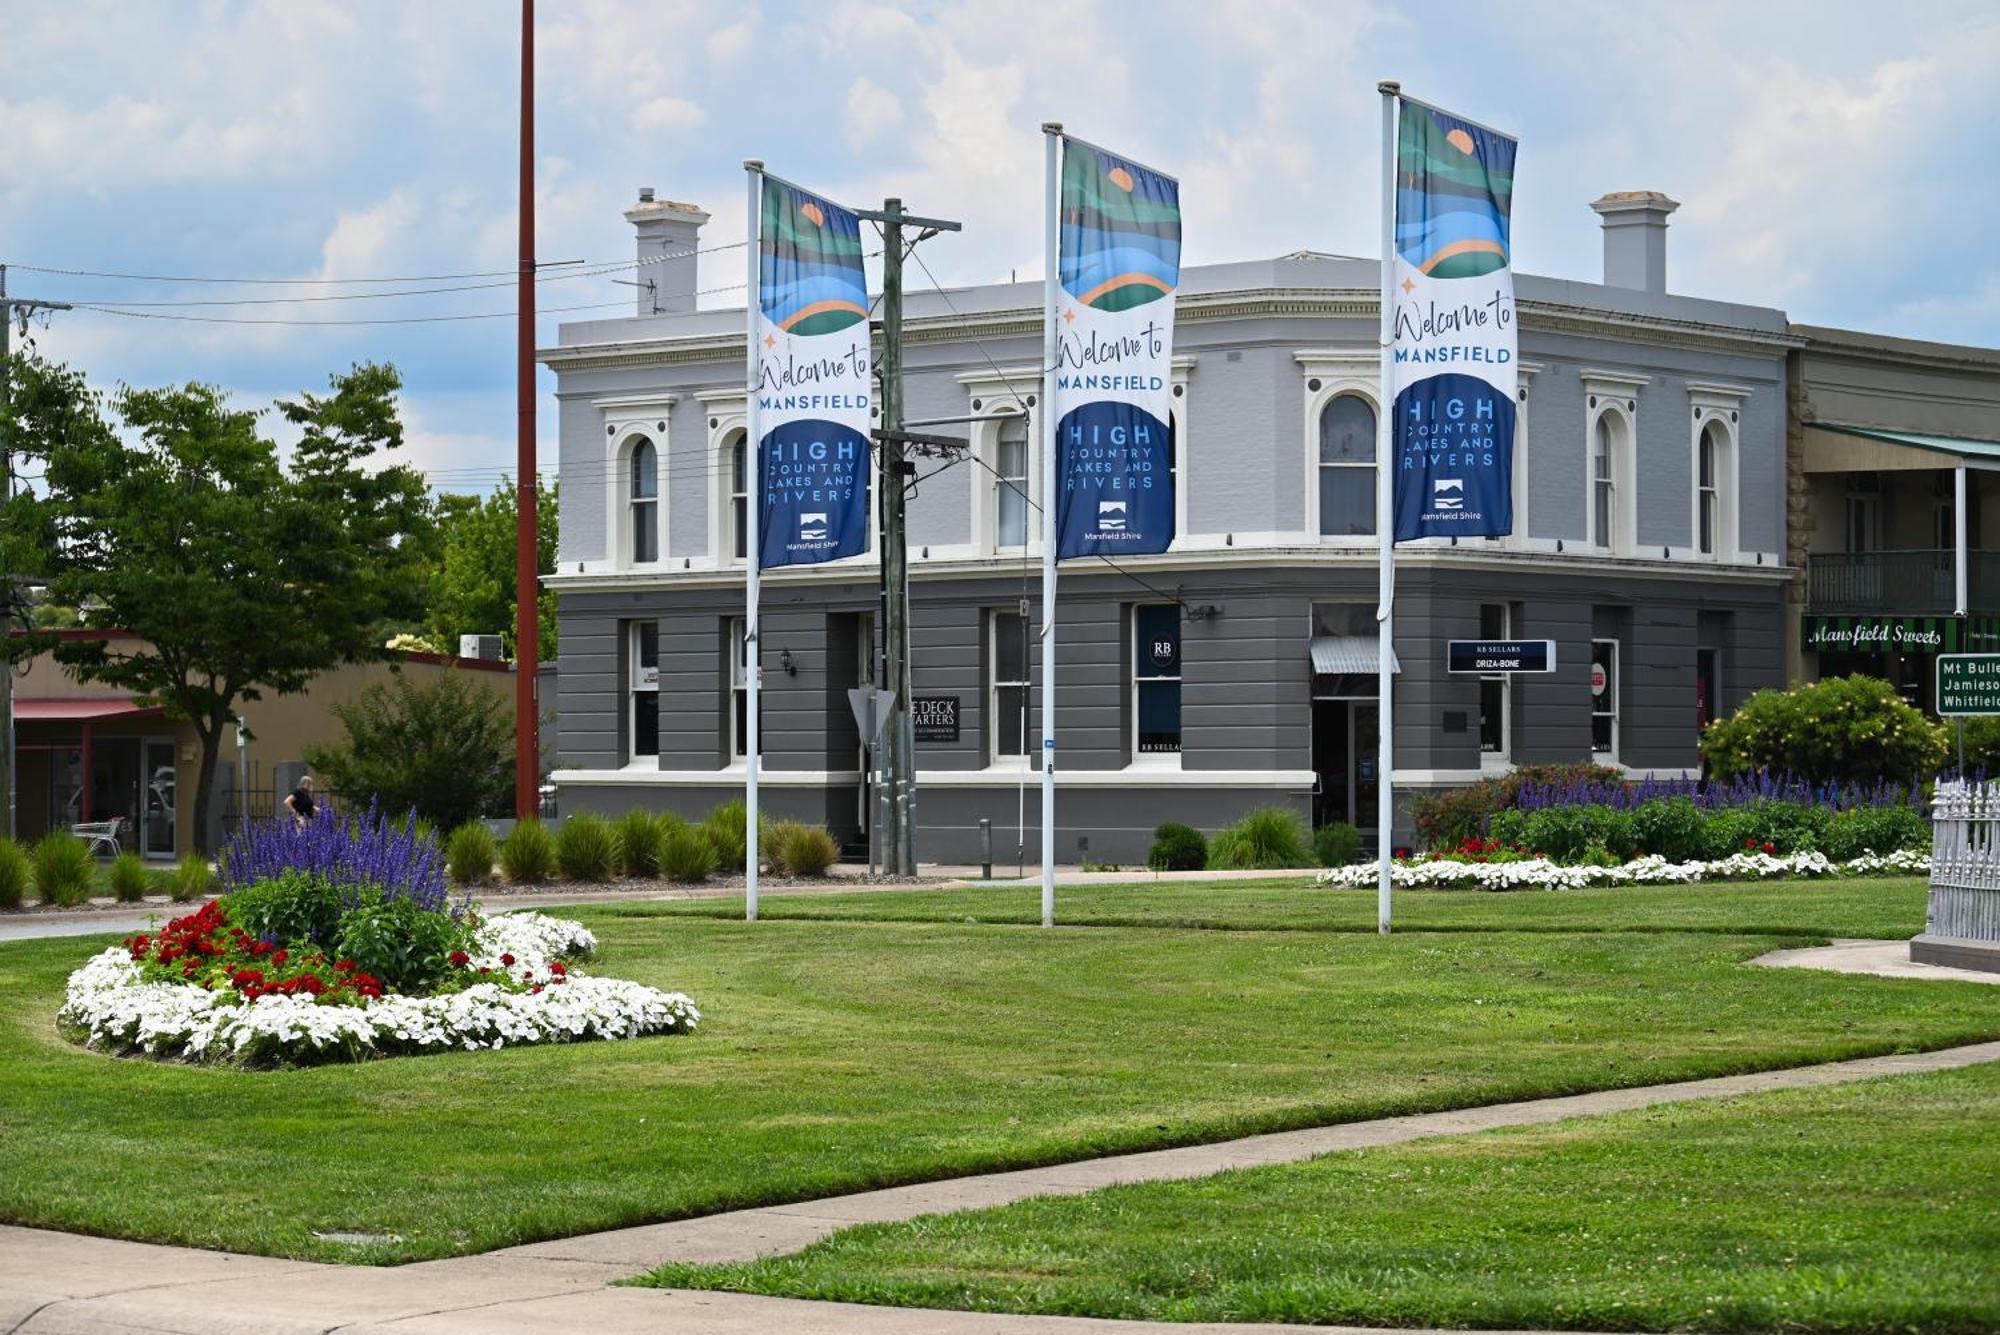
(300,803)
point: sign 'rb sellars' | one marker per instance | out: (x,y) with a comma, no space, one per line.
(1496,656)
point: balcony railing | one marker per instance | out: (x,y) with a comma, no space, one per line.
(1906,583)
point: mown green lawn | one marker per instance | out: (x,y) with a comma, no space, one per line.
(841,1055)
(1869,1207)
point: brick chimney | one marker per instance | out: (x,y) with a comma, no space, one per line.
(1635,238)
(665,228)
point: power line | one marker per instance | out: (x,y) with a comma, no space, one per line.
(133,314)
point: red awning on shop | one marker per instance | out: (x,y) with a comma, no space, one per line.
(80,710)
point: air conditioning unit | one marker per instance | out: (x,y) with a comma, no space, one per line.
(481,646)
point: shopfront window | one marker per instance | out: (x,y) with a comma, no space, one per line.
(1604,699)
(1156,681)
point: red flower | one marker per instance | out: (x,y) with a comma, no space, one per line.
(278,957)
(558,969)
(1770,847)
(536,988)
(507,960)
(343,966)
(459,959)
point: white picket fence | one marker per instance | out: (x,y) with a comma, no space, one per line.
(1965,862)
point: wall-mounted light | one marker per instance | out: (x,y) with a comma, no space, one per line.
(785,662)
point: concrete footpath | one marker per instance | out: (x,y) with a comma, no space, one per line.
(57,1282)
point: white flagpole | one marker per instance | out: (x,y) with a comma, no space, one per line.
(1052,149)
(1385,521)
(753,546)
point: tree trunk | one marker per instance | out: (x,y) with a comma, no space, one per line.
(204,789)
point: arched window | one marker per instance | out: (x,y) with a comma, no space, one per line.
(1710,453)
(1347,467)
(1010,485)
(739,496)
(1604,482)
(645,501)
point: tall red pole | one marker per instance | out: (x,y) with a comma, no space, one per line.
(527,583)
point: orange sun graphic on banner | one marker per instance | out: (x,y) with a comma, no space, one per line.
(1121,178)
(814,214)
(1459,140)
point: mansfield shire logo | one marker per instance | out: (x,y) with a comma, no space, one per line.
(1454,194)
(1448,493)
(812,527)
(1121,231)
(1111,516)
(810,265)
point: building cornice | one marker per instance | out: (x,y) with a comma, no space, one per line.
(1592,564)
(1200,308)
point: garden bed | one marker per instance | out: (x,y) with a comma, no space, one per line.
(337,942)
(1532,873)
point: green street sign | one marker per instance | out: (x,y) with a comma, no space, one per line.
(1968,684)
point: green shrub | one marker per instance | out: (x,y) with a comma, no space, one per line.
(129,881)
(469,854)
(291,906)
(638,833)
(528,854)
(1267,839)
(1843,729)
(687,854)
(1982,745)
(65,872)
(586,848)
(399,941)
(1568,833)
(193,879)
(1337,843)
(1509,826)
(1876,830)
(1177,847)
(802,850)
(726,830)
(443,748)
(15,874)
(1788,827)
(1670,827)
(1445,819)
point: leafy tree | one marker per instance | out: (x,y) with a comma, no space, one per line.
(239,575)
(444,748)
(472,586)
(47,407)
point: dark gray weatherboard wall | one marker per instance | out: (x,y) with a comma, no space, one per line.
(1246,695)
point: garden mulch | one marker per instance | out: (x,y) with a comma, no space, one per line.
(56,1282)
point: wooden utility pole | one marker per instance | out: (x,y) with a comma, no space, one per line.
(900,838)
(527,564)
(11,309)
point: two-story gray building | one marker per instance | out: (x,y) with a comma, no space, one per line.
(1650,489)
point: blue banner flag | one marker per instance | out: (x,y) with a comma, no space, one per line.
(1453,373)
(1119,262)
(814,390)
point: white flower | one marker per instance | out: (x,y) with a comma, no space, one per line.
(1652,869)
(115,1007)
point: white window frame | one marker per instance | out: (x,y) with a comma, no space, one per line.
(1717,409)
(997,482)
(739,694)
(1615,395)
(995,758)
(1617,681)
(1502,760)
(626,418)
(1373,470)
(993,395)
(1525,373)
(639,685)
(727,413)
(653,505)
(1183,371)
(1149,759)
(736,504)
(1337,371)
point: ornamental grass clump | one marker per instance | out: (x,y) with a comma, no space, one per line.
(193,879)
(469,854)
(15,874)
(1267,839)
(797,849)
(1336,844)
(64,870)
(1178,847)
(727,832)
(528,854)
(352,855)
(129,881)
(585,848)
(687,854)
(638,834)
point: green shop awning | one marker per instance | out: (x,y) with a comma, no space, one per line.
(1899,635)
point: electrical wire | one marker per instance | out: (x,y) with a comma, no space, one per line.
(382,320)
(305,282)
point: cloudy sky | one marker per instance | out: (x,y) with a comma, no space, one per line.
(1833,158)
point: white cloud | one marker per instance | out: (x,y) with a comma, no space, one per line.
(668,114)
(725,47)
(872,111)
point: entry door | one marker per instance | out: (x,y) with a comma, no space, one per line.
(1332,761)
(1365,727)
(158,799)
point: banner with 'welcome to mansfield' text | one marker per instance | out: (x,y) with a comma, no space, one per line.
(814,392)
(1453,372)
(1119,261)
